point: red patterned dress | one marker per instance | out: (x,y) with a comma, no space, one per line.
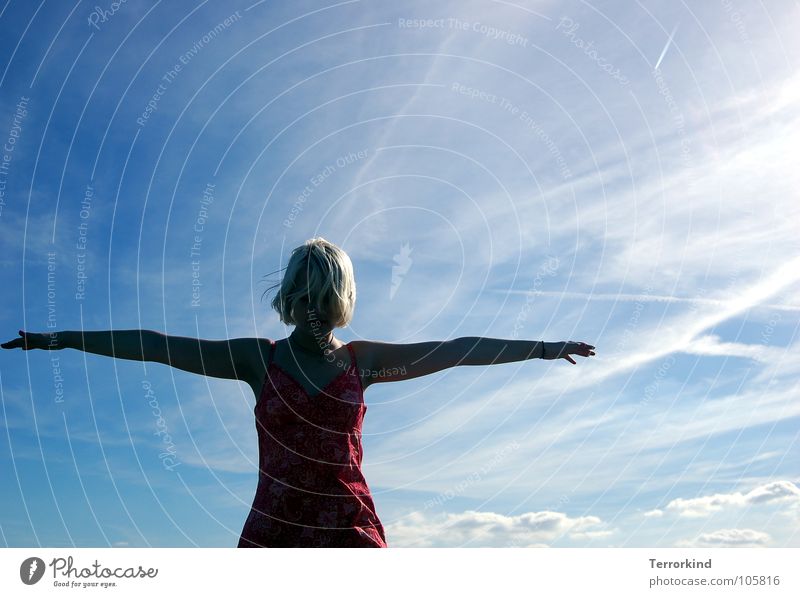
(311,491)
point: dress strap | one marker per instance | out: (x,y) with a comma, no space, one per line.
(352,356)
(271,352)
(356,371)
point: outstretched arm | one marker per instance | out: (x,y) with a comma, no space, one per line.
(395,362)
(228,359)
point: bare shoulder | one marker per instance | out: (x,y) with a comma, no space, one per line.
(261,348)
(363,349)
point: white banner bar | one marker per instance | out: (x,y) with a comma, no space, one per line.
(487,572)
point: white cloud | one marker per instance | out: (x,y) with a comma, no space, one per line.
(728,538)
(779,491)
(489,529)
(775,492)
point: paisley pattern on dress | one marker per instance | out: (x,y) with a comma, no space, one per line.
(311,490)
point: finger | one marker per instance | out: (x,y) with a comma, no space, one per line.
(569,358)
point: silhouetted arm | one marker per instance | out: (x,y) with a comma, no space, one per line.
(227,359)
(396,362)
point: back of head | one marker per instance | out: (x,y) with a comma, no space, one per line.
(321,272)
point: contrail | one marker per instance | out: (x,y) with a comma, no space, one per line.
(664,51)
(649,298)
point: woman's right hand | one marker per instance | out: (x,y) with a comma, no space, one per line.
(29,340)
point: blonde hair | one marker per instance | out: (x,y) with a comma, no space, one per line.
(323,273)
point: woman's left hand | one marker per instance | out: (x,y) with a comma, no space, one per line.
(564,349)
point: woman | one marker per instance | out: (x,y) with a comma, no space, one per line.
(309,390)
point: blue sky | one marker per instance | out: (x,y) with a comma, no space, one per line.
(493,169)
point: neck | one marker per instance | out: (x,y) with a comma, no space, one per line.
(313,342)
